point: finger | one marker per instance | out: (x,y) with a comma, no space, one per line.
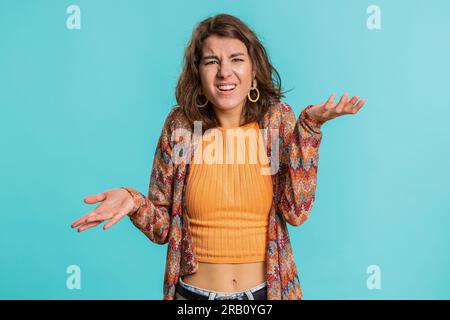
(353,100)
(350,104)
(113,221)
(78,222)
(99,217)
(96,198)
(341,103)
(88,226)
(84,218)
(330,101)
(90,199)
(359,105)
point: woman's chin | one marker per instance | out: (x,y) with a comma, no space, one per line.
(226,105)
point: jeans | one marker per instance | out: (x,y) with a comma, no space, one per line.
(186,291)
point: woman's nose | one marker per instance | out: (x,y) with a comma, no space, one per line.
(224,70)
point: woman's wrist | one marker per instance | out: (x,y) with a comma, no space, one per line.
(310,120)
(137,199)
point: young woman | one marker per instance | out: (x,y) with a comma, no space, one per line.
(225,221)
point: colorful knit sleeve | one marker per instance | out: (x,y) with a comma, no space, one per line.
(299,156)
(151,214)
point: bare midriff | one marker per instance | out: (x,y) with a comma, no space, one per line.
(227,277)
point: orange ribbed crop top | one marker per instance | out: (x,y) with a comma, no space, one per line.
(227,198)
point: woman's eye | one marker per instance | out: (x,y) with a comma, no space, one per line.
(213,61)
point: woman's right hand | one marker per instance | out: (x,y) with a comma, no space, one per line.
(115,204)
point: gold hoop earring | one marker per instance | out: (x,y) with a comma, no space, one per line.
(257,92)
(202,105)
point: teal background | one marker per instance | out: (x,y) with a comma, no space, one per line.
(81,112)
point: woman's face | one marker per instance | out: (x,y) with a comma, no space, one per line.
(225,61)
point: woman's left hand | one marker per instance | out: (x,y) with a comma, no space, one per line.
(323,112)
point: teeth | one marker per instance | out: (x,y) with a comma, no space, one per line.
(227,87)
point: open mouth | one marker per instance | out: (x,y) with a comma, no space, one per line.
(226,88)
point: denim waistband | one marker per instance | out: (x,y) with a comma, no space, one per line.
(219,294)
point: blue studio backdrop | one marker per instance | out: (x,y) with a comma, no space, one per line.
(85,87)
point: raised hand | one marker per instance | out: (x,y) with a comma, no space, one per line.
(323,112)
(115,204)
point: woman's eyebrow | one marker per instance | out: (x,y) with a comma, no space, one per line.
(212,56)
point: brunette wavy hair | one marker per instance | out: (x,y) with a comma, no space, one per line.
(189,83)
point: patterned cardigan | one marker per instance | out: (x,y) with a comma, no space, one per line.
(162,215)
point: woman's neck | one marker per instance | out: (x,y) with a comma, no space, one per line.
(230,118)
